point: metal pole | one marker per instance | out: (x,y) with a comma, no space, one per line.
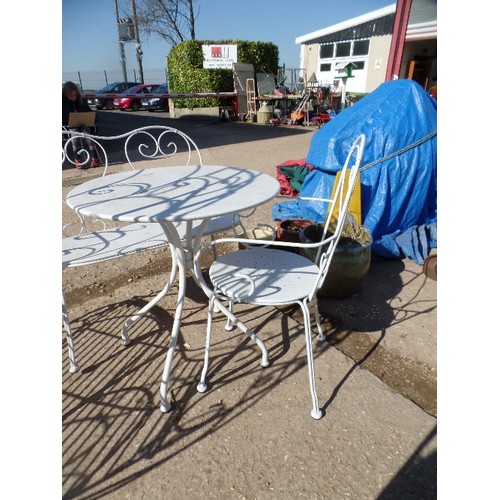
(80,80)
(120,46)
(138,50)
(342,101)
(401,17)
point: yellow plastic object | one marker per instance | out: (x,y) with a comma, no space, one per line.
(355,201)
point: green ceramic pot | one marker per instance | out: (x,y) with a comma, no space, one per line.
(349,265)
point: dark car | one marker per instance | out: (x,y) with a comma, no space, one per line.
(156,103)
(112,88)
(134,96)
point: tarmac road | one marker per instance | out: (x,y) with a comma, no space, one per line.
(251,435)
(206,132)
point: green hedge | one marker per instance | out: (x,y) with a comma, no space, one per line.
(186,73)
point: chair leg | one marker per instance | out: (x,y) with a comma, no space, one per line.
(214,248)
(250,333)
(230,326)
(69,337)
(321,335)
(202,386)
(316,413)
(264,362)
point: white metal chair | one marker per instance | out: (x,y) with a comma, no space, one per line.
(270,276)
(89,242)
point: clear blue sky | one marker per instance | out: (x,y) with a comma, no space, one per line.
(90,39)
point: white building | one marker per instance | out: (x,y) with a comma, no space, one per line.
(364,42)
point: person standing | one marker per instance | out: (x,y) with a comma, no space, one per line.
(72,101)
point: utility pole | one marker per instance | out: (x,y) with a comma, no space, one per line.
(138,50)
(120,44)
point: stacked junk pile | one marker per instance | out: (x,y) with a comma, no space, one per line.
(303,105)
(398,175)
(321,99)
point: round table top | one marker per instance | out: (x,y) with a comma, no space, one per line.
(173,193)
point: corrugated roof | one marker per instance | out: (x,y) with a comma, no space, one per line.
(422,24)
(376,27)
(350,23)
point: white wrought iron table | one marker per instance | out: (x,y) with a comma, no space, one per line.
(170,195)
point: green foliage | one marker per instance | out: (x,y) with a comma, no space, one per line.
(263,55)
(187,75)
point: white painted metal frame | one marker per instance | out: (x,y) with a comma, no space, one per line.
(269,277)
(168,196)
(89,241)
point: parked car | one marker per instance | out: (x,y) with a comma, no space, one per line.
(112,88)
(156,103)
(134,95)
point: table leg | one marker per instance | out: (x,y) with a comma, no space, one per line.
(180,253)
(184,259)
(154,301)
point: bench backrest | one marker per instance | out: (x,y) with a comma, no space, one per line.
(152,142)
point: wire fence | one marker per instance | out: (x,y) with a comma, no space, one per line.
(91,81)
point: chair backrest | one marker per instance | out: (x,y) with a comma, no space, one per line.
(145,143)
(339,204)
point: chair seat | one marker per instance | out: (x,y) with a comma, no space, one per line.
(93,247)
(273,273)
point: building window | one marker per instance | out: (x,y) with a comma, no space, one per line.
(359,65)
(326,51)
(343,49)
(361,48)
(335,57)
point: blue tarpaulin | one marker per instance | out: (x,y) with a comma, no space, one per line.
(398,170)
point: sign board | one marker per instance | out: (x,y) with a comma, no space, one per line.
(126,30)
(219,56)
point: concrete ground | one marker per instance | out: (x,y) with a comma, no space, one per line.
(251,435)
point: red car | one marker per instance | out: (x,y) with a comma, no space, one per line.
(134,97)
